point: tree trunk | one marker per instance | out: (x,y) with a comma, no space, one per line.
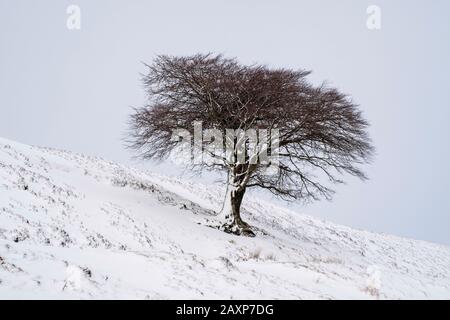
(233,221)
(235,202)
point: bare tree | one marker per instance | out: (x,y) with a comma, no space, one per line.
(321,132)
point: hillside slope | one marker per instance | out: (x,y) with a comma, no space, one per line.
(73,226)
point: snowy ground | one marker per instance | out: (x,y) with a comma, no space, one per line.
(73,226)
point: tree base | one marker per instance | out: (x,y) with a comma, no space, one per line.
(239,229)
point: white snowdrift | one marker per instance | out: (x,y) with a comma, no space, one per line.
(73,226)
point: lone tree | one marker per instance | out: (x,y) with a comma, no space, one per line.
(321,133)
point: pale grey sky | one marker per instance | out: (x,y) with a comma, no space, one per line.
(73,89)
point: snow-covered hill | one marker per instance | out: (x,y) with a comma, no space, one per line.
(73,226)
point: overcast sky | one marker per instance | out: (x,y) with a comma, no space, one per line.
(73,89)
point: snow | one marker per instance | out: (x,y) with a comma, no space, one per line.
(78,227)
